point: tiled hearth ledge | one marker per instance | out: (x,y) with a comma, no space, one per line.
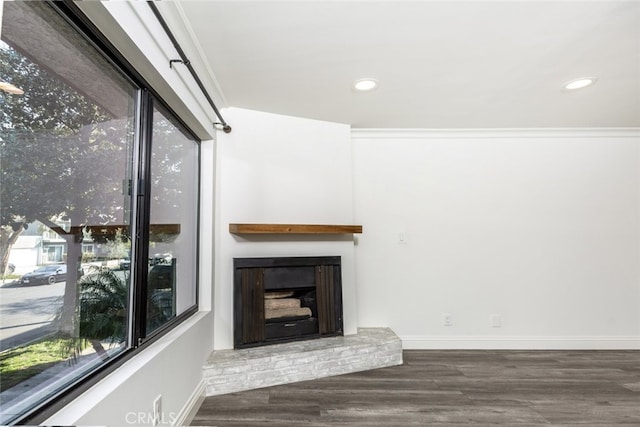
(229,371)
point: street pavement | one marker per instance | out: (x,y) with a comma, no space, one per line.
(27,312)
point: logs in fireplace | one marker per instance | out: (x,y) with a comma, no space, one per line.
(286,299)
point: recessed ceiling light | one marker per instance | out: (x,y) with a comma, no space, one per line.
(364,85)
(579,83)
(9,88)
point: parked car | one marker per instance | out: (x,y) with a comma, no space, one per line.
(161,277)
(49,274)
(161,293)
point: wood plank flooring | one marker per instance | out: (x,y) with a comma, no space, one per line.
(444,388)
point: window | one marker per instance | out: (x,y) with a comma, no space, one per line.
(173,227)
(54,253)
(99,209)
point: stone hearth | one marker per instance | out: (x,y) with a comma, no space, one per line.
(229,371)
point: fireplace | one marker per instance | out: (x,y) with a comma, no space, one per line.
(286,299)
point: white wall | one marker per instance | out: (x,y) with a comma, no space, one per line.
(279,169)
(539,227)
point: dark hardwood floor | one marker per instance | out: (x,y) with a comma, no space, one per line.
(442,388)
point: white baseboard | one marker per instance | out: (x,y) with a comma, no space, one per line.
(189,410)
(440,342)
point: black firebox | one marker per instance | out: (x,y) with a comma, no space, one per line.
(286,299)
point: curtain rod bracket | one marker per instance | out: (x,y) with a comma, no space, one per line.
(225,127)
(185,62)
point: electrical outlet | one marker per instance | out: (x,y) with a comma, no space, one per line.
(496,321)
(157,410)
(446,320)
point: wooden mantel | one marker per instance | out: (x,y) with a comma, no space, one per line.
(294,229)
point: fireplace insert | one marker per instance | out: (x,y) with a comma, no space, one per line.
(285,299)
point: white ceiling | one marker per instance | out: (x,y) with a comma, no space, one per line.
(440,64)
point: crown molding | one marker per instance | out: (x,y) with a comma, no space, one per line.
(421,134)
